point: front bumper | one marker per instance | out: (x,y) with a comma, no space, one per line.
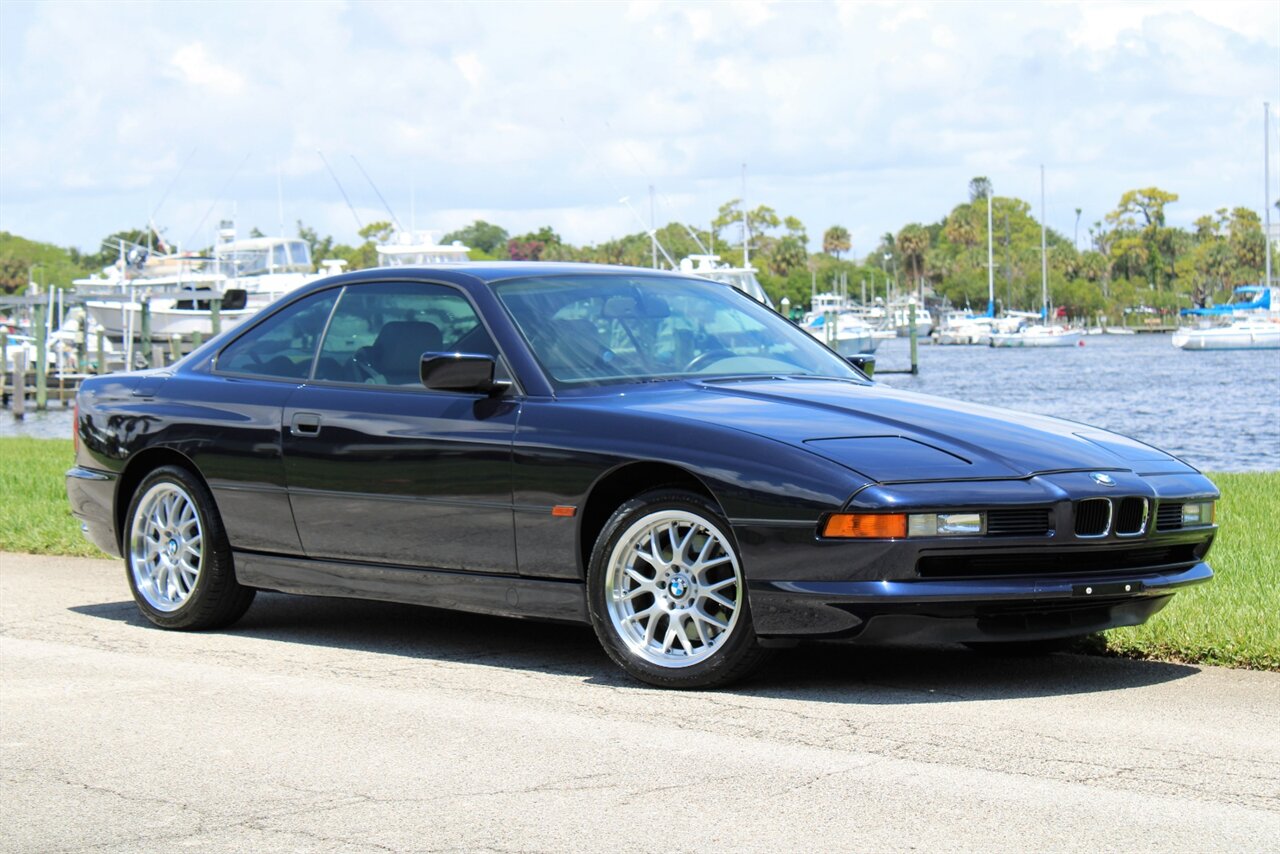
(92,496)
(964,610)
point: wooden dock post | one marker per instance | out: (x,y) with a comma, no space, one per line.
(42,357)
(102,352)
(19,383)
(911,328)
(215,315)
(175,348)
(196,340)
(146,331)
(83,365)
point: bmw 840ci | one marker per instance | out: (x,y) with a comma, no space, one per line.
(657,455)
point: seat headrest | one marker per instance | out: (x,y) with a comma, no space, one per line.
(398,350)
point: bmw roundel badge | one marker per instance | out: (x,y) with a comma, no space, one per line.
(1103,479)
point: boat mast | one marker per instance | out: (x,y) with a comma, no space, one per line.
(1266,179)
(991,270)
(746,228)
(653,228)
(1044,258)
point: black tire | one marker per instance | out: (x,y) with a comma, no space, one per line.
(215,599)
(738,653)
(1026,648)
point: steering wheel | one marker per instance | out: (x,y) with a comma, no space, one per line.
(710,357)
(366,371)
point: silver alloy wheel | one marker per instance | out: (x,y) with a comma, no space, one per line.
(166,546)
(673,588)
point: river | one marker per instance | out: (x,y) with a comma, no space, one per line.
(1219,411)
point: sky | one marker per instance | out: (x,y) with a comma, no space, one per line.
(867,115)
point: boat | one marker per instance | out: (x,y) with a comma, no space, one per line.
(898,318)
(1246,333)
(839,324)
(180,288)
(844,332)
(1252,320)
(1038,335)
(1042,334)
(741,278)
(418,248)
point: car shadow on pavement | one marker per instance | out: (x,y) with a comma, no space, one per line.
(831,673)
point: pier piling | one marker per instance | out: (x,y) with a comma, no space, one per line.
(19,384)
(146,332)
(42,357)
(915,338)
(101,367)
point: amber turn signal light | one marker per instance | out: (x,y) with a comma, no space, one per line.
(865,525)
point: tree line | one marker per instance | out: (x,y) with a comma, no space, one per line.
(1130,257)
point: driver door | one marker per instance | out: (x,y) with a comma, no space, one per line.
(381,469)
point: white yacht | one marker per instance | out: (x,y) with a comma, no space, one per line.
(244,275)
(417,248)
(1038,335)
(839,325)
(1250,323)
(742,278)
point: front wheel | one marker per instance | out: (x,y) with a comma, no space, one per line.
(177,556)
(667,594)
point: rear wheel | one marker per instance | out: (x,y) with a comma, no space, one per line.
(177,557)
(667,594)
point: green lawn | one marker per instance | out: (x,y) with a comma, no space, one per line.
(34,513)
(1234,620)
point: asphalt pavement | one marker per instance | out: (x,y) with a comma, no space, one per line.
(330,725)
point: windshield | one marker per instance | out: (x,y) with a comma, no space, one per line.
(596,330)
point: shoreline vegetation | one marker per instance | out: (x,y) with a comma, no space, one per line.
(1128,265)
(1231,621)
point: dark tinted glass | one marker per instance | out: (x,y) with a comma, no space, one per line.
(380,331)
(594,330)
(283,344)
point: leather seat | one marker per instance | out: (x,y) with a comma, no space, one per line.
(397,352)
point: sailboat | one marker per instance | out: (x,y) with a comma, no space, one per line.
(1040,334)
(1254,319)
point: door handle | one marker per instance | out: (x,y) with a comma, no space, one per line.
(305,424)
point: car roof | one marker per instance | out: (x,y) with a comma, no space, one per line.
(487,272)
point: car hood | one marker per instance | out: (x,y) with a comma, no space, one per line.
(892,436)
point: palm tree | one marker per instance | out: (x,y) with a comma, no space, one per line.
(913,243)
(836,240)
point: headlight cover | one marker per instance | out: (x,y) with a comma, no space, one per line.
(946,524)
(1197,514)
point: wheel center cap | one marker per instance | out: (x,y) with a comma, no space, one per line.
(679,586)
(172,547)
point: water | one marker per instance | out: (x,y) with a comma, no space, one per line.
(1220,411)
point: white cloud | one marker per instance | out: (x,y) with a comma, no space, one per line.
(870,115)
(195,66)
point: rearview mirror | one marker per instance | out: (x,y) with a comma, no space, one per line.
(865,362)
(467,372)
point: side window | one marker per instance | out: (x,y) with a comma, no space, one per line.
(380,331)
(283,344)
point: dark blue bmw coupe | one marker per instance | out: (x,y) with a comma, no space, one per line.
(657,455)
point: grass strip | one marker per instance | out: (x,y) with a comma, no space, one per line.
(1233,620)
(35,516)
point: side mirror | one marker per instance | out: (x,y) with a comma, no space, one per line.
(465,372)
(865,362)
